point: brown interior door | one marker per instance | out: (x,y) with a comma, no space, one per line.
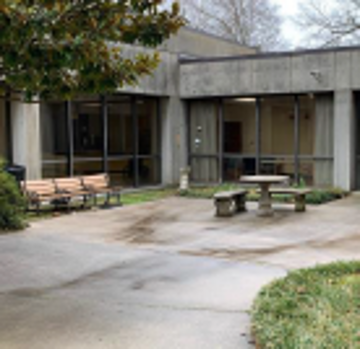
(233,137)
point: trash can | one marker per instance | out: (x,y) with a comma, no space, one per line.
(17,171)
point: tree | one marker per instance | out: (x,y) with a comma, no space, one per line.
(331,23)
(60,48)
(249,22)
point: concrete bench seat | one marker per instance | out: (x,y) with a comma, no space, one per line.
(230,202)
(298,193)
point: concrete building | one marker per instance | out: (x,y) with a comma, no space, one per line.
(221,108)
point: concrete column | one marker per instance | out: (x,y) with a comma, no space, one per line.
(174,148)
(26,137)
(344,140)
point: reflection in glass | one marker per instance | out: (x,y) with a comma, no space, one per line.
(88,129)
(120,135)
(122,172)
(147,126)
(148,171)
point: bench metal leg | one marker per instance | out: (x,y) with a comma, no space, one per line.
(240,204)
(300,203)
(224,207)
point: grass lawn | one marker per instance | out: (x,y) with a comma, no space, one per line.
(129,198)
(315,308)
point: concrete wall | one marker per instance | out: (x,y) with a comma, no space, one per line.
(26,137)
(310,71)
(344,140)
(191,42)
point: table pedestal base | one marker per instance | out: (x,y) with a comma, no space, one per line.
(265,204)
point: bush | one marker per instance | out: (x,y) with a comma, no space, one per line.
(12,203)
(317,196)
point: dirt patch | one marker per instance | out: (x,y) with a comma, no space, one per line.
(145,230)
(244,254)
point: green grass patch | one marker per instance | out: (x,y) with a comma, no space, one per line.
(127,198)
(318,196)
(315,308)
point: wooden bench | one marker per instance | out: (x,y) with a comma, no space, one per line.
(100,184)
(38,192)
(229,203)
(298,193)
(73,187)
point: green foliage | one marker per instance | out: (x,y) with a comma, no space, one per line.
(12,203)
(60,48)
(318,196)
(310,309)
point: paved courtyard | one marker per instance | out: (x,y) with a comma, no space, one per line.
(166,274)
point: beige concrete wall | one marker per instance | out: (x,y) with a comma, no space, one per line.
(305,72)
(194,43)
(26,137)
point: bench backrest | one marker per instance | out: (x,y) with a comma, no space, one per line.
(70,184)
(39,187)
(98,181)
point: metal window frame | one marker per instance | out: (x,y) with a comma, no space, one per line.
(72,159)
(295,157)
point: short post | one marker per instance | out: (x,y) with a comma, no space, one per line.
(184,179)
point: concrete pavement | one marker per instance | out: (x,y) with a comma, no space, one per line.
(160,275)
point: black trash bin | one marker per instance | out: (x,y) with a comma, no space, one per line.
(17,171)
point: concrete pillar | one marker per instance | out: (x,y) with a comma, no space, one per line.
(174,148)
(26,137)
(344,140)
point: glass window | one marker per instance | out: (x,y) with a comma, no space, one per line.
(54,139)
(122,172)
(120,135)
(316,140)
(88,136)
(88,129)
(149,171)
(147,117)
(239,138)
(278,136)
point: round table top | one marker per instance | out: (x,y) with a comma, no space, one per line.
(259,179)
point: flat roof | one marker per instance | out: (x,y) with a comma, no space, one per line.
(268,55)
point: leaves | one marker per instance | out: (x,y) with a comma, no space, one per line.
(53,48)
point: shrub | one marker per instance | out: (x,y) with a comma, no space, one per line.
(12,203)
(317,196)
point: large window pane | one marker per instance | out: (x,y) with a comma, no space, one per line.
(122,172)
(54,170)
(87,167)
(147,126)
(88,138)
(316,140)
(148,171)
(239,138)
(120,137)
(88,129)
(234,168)
(278,136)
(54,139)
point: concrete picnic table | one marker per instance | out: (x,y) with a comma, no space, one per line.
(264,182)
